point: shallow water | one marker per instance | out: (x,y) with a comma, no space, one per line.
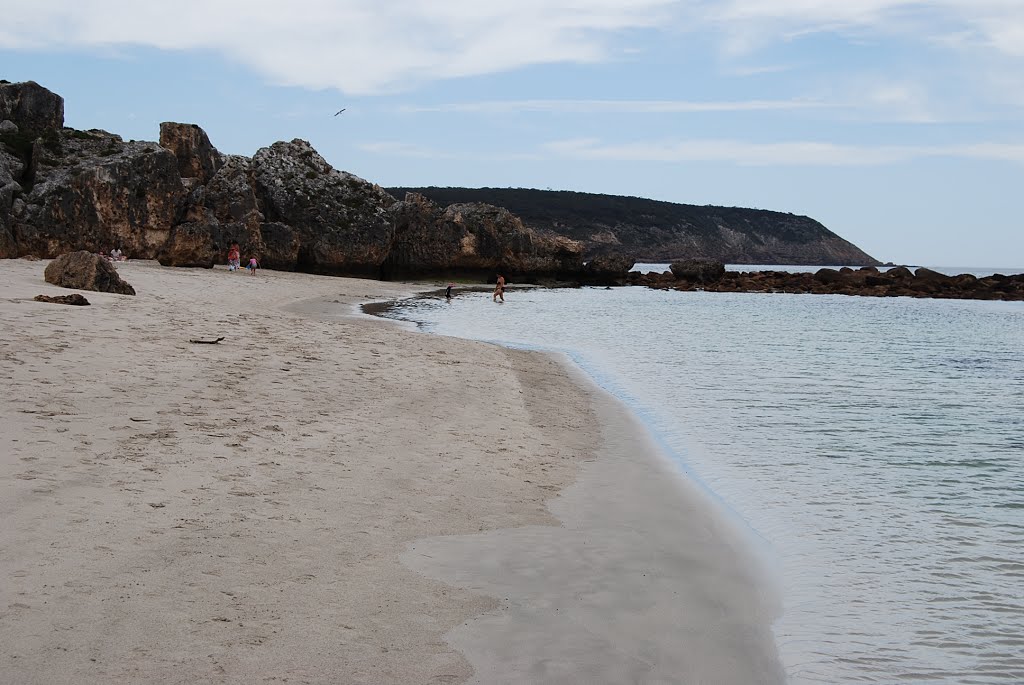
(876,445)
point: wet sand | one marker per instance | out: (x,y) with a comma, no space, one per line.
(327,498)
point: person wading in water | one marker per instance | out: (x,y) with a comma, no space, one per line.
(499,289)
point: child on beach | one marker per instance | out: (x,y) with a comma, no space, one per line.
(253,265)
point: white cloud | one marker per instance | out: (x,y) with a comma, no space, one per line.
(747,24)
(788,153)
(368,46)
(616,106)
(357,46)
(738,152)
(799,153)
(400,149)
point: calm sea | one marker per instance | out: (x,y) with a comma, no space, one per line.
(875,445)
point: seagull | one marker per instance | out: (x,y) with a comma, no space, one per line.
(340,111)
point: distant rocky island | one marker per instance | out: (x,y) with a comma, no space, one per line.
(655,231)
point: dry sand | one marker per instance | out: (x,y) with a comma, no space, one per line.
(327,498)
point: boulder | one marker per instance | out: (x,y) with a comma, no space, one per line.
(86,271)
(829,276)
(196,155)
(32,108)
(74,298)
(607,270)
(872,280)
(930,276)
(698,270)
(965,280)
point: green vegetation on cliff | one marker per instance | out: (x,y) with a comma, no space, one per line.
(652,230)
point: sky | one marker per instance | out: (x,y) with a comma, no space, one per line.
(899,124)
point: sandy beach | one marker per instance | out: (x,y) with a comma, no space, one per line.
(324,497)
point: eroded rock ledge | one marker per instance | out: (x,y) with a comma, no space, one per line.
(897,282)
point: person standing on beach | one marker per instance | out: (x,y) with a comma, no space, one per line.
(448,292)
(253,265)
(234,258)
(499,289)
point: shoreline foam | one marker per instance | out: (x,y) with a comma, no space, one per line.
(644,579)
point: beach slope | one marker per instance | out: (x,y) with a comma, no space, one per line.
(296,503)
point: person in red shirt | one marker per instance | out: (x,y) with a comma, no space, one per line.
(234,258)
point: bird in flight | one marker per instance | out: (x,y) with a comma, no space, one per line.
(340,111)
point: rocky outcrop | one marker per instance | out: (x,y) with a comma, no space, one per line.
(897,282)
(473,239)
(197,158)
(607,270)
(91,190)
(86,271)
(10,168)
(341,221)
(654,231)
(184,203)
(698,270)
(32,108)
(229,210)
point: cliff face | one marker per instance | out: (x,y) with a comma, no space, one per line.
(653,231)
(182,202)
(474,239)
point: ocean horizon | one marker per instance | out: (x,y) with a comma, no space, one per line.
(874,447)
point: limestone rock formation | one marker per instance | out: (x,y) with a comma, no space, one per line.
(32,108)
(10,168)
(197,158)
(474,239)
(183,202)
(607,270)
(341,220)
(190,244)
(229,210)
(86,271)
(91,190)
